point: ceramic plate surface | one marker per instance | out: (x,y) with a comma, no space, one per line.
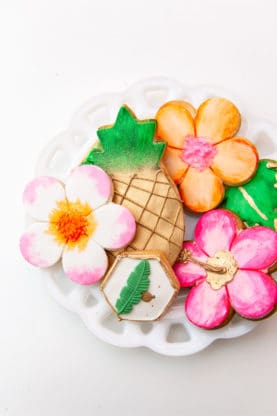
(173,335)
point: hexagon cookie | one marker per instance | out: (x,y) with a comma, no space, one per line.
(140,286)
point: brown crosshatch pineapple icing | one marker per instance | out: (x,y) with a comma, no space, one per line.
(130,155)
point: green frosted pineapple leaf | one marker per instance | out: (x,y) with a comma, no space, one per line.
(256,201)
(127,145)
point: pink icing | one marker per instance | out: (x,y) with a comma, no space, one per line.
(252,294)
(99,177)
(30,191)
(255,248)
(189,273)
(27,246)
(207,308)
(215,231)
(198,152)
(126,225)
(86,276)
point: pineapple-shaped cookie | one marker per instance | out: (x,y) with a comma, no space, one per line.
(129,155)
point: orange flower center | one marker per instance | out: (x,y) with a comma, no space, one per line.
(72,223)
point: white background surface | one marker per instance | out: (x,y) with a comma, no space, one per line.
(54,56)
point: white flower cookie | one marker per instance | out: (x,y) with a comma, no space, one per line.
(76,222)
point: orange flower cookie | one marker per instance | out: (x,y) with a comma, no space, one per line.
(202,153)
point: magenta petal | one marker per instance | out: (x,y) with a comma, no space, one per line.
(255,248)
(207,308)
(252,294)
(189,273)
(215,231)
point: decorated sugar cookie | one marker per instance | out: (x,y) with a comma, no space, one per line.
(140,286)
(226,267)
(256,201)
(75,221)
(129,154)
(203,153)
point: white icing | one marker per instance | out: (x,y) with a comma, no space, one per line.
(160,287)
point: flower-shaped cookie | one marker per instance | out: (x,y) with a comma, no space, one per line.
(202,153)
(227,267)
(76,223)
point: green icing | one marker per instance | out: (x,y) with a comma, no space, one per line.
(256,201)
(127,145)
(137,283)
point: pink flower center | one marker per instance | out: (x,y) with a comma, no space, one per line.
(198,152)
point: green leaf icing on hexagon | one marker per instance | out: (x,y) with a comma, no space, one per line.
(256,201)
(137,283)
(127,145)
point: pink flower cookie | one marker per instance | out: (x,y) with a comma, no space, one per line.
(76,222)
(227,270)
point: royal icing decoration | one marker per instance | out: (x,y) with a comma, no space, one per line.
(140,286)
(202,153)
(256,201)
(136,286)
(76,222)
(227,270)
(129,154)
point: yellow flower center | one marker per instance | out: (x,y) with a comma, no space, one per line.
(72,223)
(225,260)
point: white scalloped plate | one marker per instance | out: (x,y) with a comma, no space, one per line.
(173,335)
